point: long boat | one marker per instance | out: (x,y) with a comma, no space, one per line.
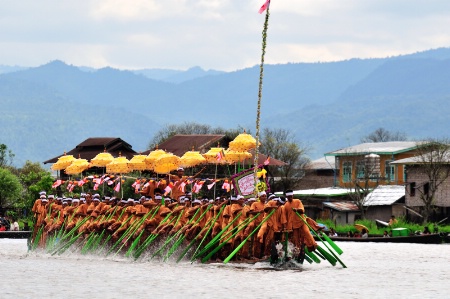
(421,239)
(21,234)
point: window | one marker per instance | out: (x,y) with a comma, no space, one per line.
(360,170)
(347,172)
(412,189)
(389,171)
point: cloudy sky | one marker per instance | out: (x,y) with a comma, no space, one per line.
(215,34)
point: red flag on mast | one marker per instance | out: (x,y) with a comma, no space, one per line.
(264,7)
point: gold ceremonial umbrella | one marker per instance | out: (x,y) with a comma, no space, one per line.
(243,142)
(63,162)
(232,156)
(211,155)
(102,159)
(150,160)
(360,227)
(118,165)
(77,166)
(166,163)
(191,159)
(138,163)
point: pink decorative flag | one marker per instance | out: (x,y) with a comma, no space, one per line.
(265,6)
(211,185)
(220,155)
(267,161)
(117,187)
(57,183)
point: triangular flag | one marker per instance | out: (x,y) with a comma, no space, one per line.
(265,6)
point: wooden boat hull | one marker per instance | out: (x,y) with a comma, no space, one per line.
(421,239)
(15,234)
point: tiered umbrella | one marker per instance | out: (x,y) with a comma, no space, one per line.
(243,142)
(166,163)
(77,166)
(138,163)
(211,155)
(233,156)
(191,159)
(102,159)
(150,160)
(118,165)
(63,162)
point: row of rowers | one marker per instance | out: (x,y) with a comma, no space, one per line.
(192,217)
(89,198)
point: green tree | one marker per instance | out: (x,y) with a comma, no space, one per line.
(383,135)
(280,144)
(34,179)
(10,189)
(6,156)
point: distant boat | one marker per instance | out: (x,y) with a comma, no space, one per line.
(21,234)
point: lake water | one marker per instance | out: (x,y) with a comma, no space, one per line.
(375,270)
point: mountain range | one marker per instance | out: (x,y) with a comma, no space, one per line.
(49,109)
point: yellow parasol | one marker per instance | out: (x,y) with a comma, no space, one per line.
(360,227)
(232,156)
(211,155)
(243,142)
(138,163)
(77,166)
(191,159)
(102,159)
(150,160)
(63,162)
(166,163)
(118,165)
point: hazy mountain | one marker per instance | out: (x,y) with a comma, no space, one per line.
(53,107)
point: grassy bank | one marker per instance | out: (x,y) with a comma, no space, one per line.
(375,229)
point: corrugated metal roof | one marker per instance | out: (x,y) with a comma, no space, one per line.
(385,195)
(424,159)
(392,147)
(342,206)
(321,192)
(322,163)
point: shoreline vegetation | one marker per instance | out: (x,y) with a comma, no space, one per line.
(377,229)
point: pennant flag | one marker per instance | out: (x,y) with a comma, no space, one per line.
(220,155)
(226,185)
(81,182)
(267,161)
(117,187)
(197,186)
(168,189)
(211,185)
(182,185)
(96,186)
(57,183)
(110,182)
(137,188)
(265,6)
(135,183)
(69,185)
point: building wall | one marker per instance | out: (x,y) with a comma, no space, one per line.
(314,179)
(415,175)
(384,213)
(399,169)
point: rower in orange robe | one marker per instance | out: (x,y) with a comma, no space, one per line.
(291,222)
